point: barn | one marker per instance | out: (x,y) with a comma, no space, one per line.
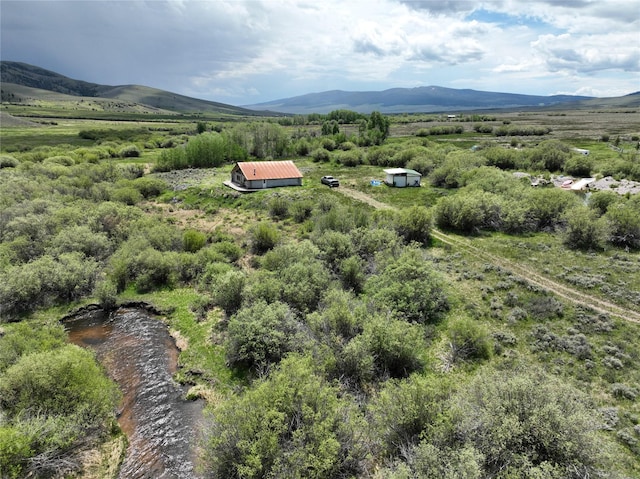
(257,175)
(402,177)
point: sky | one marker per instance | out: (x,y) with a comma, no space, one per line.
(247,52)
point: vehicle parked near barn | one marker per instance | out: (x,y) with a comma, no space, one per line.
(330,181)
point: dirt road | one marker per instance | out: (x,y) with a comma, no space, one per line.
(534,277)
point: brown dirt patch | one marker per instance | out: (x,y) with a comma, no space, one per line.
(198,219)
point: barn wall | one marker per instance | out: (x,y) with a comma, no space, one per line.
(284,182)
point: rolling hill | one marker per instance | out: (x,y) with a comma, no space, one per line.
(411,100)
(27,83)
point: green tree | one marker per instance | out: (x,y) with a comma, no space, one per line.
(378,127)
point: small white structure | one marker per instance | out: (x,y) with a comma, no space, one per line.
(256,175)
(402,177)
(583,184)
(581,151)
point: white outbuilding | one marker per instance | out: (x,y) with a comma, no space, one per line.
(402,177)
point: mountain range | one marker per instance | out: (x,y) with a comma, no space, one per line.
(22,82)
(410,100)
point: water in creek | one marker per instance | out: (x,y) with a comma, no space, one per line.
(140,355)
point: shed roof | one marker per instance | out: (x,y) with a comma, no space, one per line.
(402,171)
(269,170)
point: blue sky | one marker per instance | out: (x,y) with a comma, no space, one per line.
(246,52)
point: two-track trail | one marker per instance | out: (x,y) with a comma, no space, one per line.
(534,277)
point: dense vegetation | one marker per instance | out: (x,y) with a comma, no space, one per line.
(356,343)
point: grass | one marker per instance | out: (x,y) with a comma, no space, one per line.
(612,275)
(203,361)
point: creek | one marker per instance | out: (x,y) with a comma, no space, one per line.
(139,354)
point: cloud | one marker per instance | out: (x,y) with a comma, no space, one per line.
(246,51)
(442,7)
(589,54)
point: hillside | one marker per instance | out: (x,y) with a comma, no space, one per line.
(408,100)
(27,83)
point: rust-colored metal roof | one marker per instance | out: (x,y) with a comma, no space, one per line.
(269,170)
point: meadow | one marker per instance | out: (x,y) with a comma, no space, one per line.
(473,327)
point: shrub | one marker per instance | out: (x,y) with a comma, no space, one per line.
(352,274)
(397,348)
(80,239)
(26,337)
(129,151)
(8,162)
(335,246)
(527,421)
(578,165)
(149,187)
(61,160)
(301,210)
(54,401)
(624,219)
(585,230)
(260,334)
(227,292)
(600,201)
(415,224)
(205,150)
(193,240)
(127,195)
(131,171)
(153,270)
(264,236)
(107,294)
(410,288)
(468,340)
(320,155)
(304,283)
(172,159)
(279,207)
(406,409)
(291,424)
(421,164)
(550,155)
(545,307)
(349,157)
